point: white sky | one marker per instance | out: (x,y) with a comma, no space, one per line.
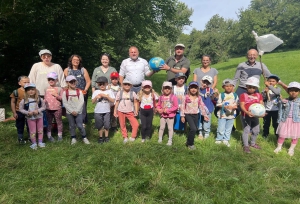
(205,9)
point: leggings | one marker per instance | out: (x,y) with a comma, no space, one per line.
(35,124)
(57,114)
(146,116)
(192,120)
(281,140)
(170,122)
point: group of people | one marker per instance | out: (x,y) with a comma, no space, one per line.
(128,95)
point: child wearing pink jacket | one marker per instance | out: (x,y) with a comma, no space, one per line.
(167,107)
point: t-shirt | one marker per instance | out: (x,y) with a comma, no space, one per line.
(103,104)
(52,102)
(229,99)
(206,95)
(250,99)
(179,92)
(114,89)
(21,93)
(147,103)
(200,74)
(125,105)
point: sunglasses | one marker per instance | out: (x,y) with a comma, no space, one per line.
(46,56)
(126,84)
(72,82)
(101,84)
(50,79)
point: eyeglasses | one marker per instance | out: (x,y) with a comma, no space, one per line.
(167,87)
(72,82)
(46,56)
(126,84)
(50,79)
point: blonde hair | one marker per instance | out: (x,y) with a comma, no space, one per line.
(140,94)
(36,95)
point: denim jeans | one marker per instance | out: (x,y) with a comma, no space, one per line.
(204,125)
(224,129)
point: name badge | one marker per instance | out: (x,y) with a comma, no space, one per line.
(78,75)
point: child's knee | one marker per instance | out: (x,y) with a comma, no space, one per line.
(32,135)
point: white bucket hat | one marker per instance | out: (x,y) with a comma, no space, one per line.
(252,81)
(207,78)
(294,84)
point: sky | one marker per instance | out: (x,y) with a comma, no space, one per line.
(205,9)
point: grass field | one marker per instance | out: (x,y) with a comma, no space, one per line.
(152,172)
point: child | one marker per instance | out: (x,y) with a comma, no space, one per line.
(126,106)
(147,98)
(250,123)
(271,96)
(16,97)
(104,99)
(179,90)
(73,101)
(289,120)
(189,112)
(32,106)
(167,107)
(227,105)
(114,87)
(53,95)
(207,94)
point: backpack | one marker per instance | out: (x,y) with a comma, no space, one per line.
(130,98)
(77,93)
(26,105)
(222,108)
(185,89)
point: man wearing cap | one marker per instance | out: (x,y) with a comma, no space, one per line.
(39,71)
(177,63)
(250,68)
(134,69)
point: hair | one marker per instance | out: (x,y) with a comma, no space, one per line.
(133,47)
(209,57)
(70,66)
(22,77)
(105,54)
(36,95)
(189,93)
(140,94)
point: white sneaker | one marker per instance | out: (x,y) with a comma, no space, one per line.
(169,143)
(73,141)
(86,141)
(225,142)
(41,144)
(218,142)
(131,139)
(33,146)
(291,152)
(143,140)
(278,149)
(125,140)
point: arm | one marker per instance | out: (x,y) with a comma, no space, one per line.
(94,80)
(66,71)
(43,106)
(195,77)
(87,80)
(32,74)
(61,76)
(13,107)
(95,97)
(137,107)
(121,78)
(21,108)
(215,82)
(242,105)
(284,86)
(116,109)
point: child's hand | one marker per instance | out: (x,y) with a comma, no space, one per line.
(99,96)
(216,90)
(160,111)
(54,93)
(165,110)
(266,89)
(182,119)
(267,83)
(30,113)
(136,113)
(35,112)
(16,116)
(74,113)
(115,114)
(250,114)
(206,118)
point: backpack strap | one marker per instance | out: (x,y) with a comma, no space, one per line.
(16,93)
(77,93)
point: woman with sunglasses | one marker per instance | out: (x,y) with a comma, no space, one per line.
(103,70)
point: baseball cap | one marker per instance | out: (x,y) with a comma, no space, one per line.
(227,82)
(114,75)
(207,78)
(52,75)
(273,76)
(193,83)
(70,78)
(102,79)
(45,51)
(180,74)
(29,85)
(126,81)
(252,81)
(179,45)
(147,82)
(294,84)
(167,83)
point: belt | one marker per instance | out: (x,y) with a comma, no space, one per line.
(137,85)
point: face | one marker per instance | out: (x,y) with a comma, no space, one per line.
(75,61)
(228,88)
(52,82)
(205,61)
(23,81)
(46,58)
(167,90)
(147,88)
(133,53)
(205,84)
(272,82)
(102,86)
(193,89)
(180,80)
(293,92)
(105,61)
(252,55)
(126,86)
(251,89)
(179,51)
(72,84)
(114,81)
(31,91)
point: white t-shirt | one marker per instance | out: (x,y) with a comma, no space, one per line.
(103,105)
(148,101)
(179,93)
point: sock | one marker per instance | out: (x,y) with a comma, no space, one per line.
(59,134)
(83,136)
(279,145)
(292,147)
(49,134)
(40,141)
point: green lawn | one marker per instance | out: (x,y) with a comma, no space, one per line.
(152,172)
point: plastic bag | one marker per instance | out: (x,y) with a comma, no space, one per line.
(266,43)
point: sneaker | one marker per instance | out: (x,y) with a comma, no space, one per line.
(247,149)
(42,144)
(255,146)
(22,141)
(100,140)
(33,146)
(86,141)
(59,138)
(291,152)
(51,139)
(125,140)
(206,136)
(73,141)
(218,142)
(192,147)
(169,143)
(143,140)
(106,139)
(131,139)
(225,142)
(278,149)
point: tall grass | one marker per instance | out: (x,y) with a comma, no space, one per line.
(152,172)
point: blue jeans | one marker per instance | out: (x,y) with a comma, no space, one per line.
(204,125)
(224,129)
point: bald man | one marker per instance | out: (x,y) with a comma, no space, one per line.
(250,68)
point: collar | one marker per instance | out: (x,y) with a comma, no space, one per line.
(248,63)
(138,59)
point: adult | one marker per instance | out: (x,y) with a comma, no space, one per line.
(250,68)
(103,70)
(76,69)
(177,63)
(134,69)
(39,71)
(204,70)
